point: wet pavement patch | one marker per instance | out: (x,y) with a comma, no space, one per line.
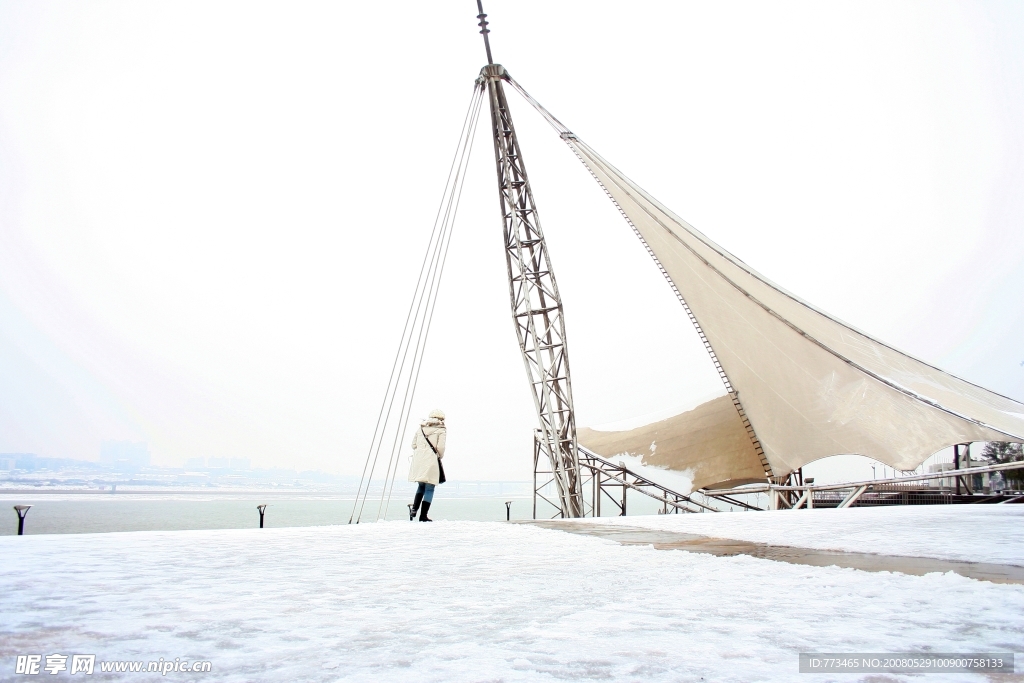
(725,547)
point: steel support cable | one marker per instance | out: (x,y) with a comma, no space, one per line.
(436,265)
(407,333)
(394,378)
(449,220)
(404,364)
(418,364)
(420,350)
(423,295)
(415,333)
(378,433)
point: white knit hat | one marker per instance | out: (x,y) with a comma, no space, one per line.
(437,414)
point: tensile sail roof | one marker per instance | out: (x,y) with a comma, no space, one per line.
(809,385)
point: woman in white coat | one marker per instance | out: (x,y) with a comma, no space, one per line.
(426,469)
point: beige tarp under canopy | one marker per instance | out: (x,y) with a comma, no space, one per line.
(709,445)
(810,385)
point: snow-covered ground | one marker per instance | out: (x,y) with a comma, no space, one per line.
(470,601)
(972,533)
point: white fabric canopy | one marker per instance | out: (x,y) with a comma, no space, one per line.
(811,385)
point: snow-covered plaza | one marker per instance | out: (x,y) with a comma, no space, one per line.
(471,601)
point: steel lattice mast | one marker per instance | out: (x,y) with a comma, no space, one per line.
(536,304)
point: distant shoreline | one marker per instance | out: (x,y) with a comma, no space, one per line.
(235,492)
(226,492)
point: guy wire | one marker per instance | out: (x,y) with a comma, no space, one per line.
(453,209)
(414,319)
(380,427)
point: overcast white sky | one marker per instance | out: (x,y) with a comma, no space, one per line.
(212,213)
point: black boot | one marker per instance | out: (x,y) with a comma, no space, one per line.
(415,507)
(423,512)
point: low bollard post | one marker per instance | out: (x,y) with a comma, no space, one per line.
(262,509)
(508,510)
(22,510)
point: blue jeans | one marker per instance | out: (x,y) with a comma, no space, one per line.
(427,490)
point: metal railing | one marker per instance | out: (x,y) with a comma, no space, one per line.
(606,483)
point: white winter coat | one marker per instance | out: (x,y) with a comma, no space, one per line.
(424,463)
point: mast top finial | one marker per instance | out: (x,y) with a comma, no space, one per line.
(484,30)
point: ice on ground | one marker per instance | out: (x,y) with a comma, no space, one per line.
(470,601)
(971,533)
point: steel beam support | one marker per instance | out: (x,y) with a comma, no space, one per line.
(853,496)
(611,481)
(536,303)
(944,474)
(730,501)
(962,451)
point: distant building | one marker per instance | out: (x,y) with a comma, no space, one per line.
(978,482)
(221,463)
(195,463)
(30,462)
(240,464)
(18,461)
(124,453)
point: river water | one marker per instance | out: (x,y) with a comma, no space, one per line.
(98,513)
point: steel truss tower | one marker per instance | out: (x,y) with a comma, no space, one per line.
(536,304)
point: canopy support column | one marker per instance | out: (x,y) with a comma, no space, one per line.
(536,303)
